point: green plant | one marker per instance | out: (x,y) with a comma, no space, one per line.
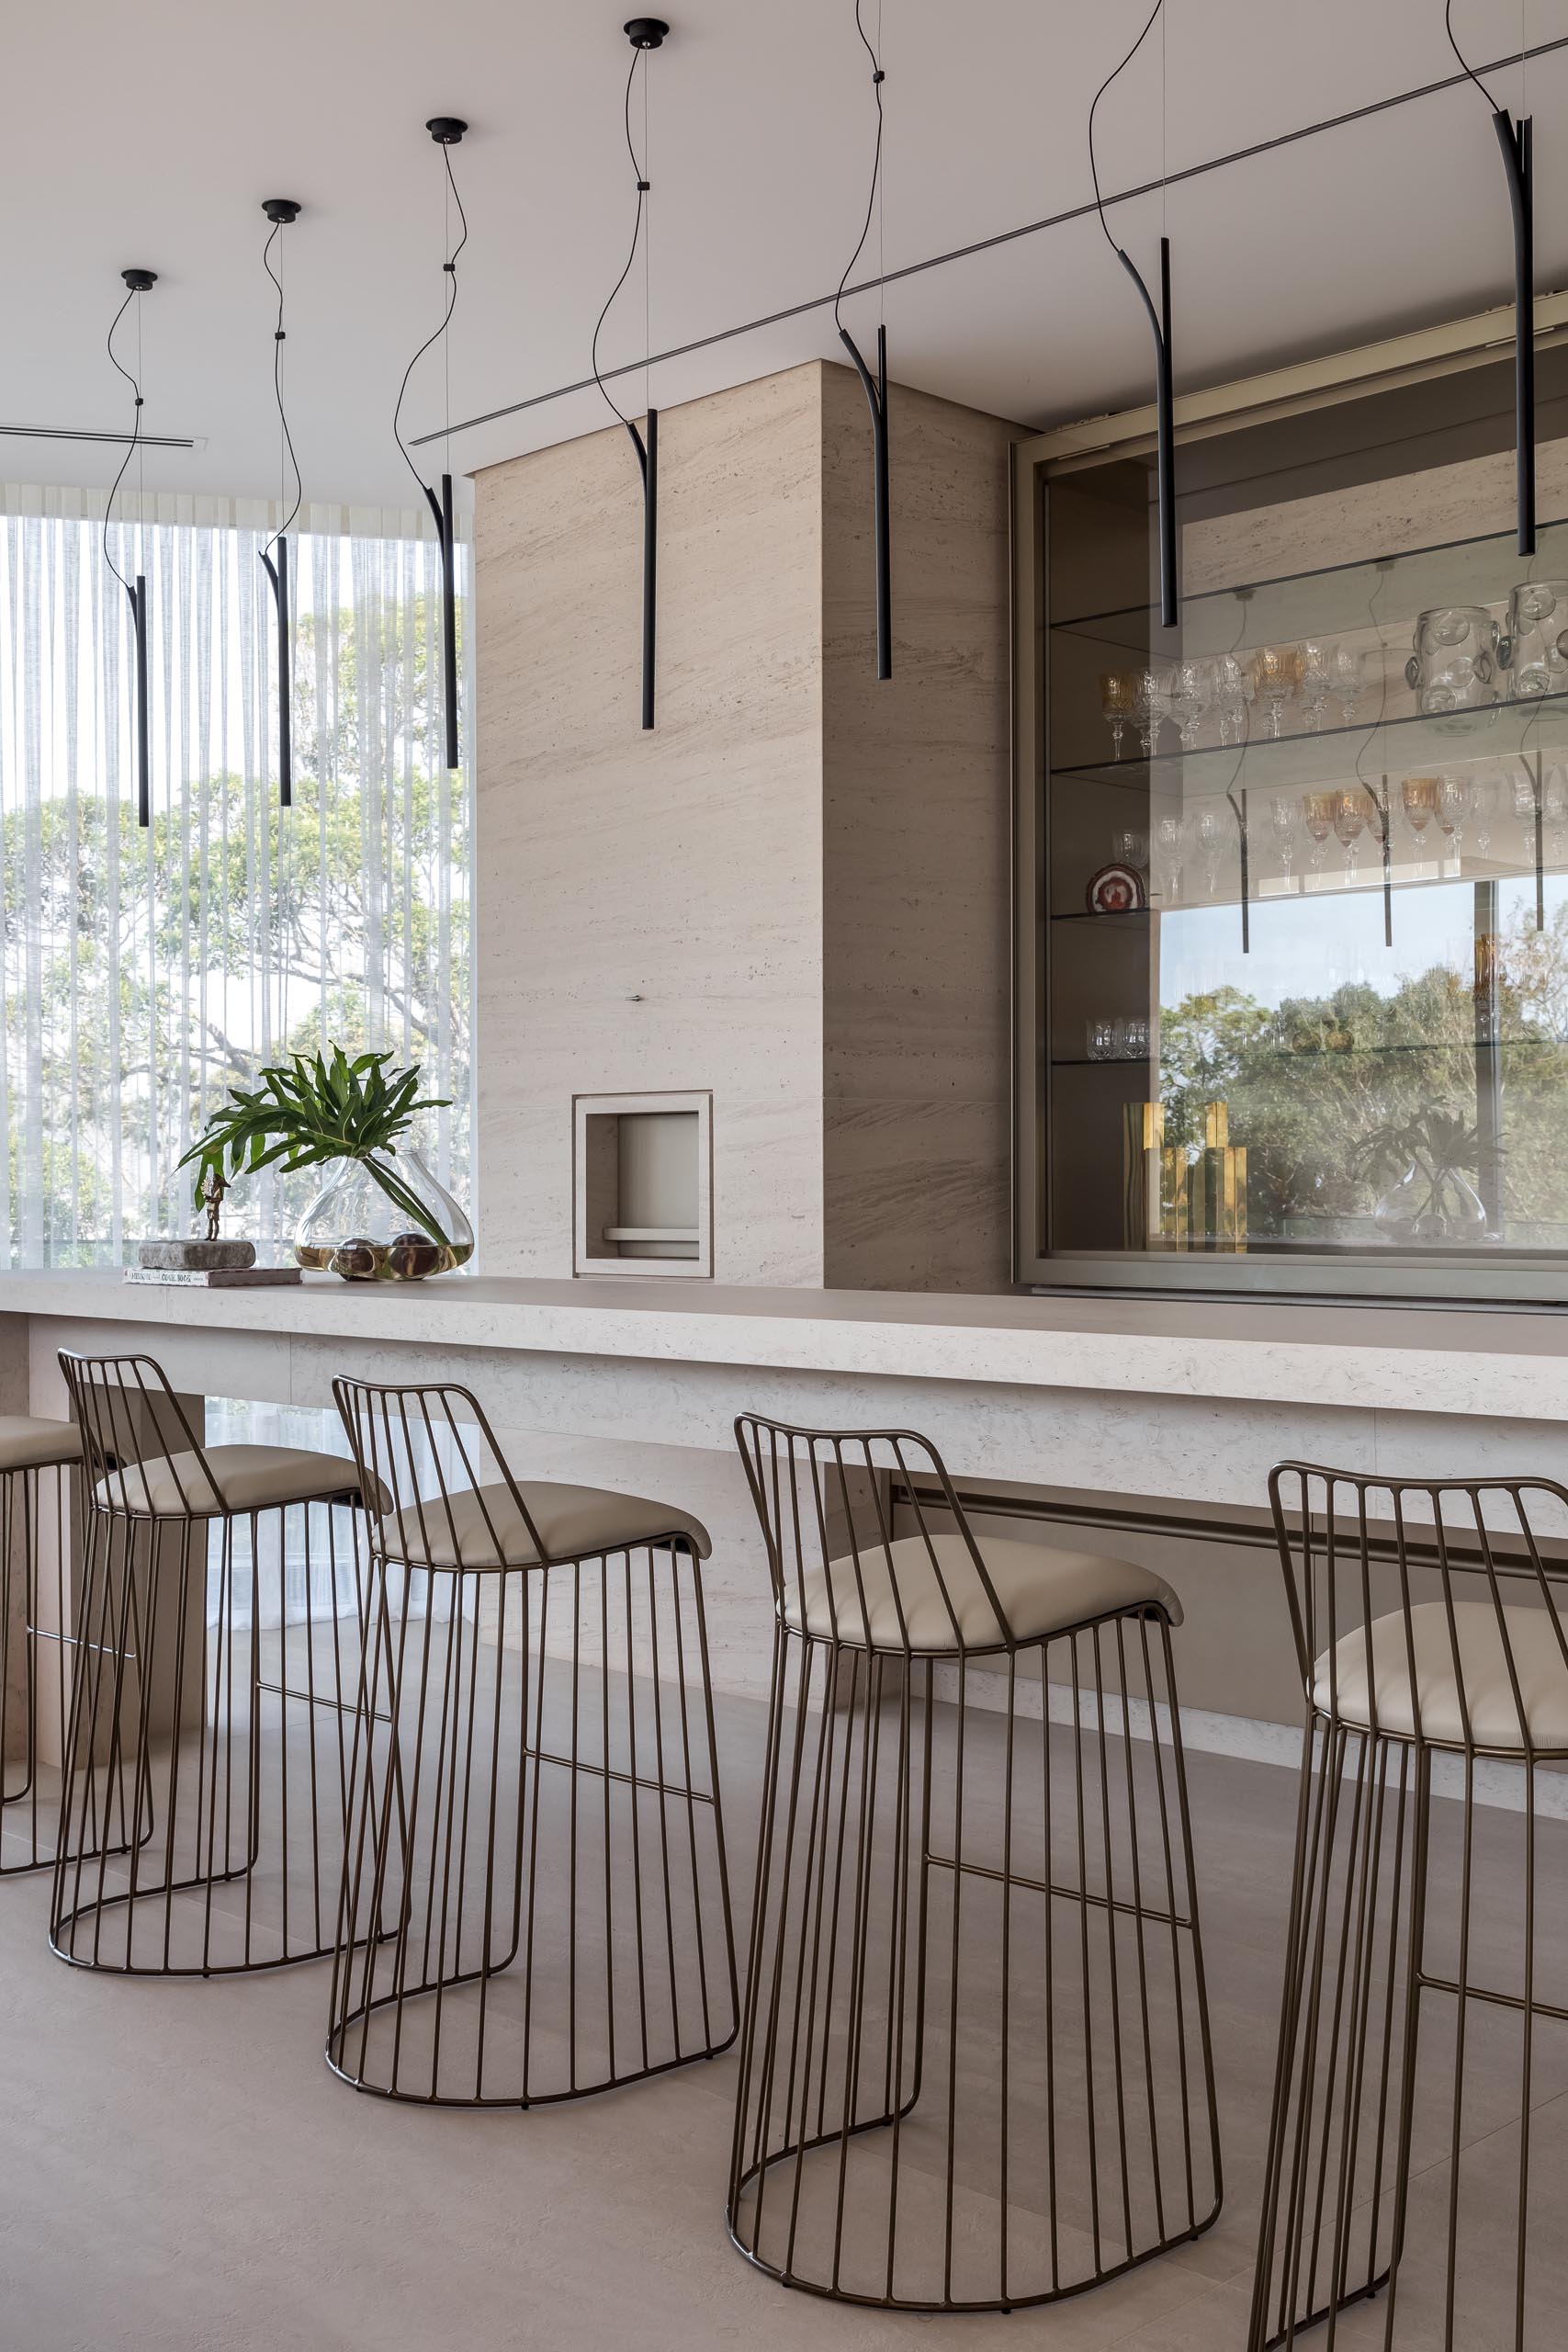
(314,1109)
(1437,1141)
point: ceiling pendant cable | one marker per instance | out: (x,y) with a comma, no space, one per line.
(1515,141)
(645,34)
(137,283)
(281,210)
(874,387)
(446,131)
(1159,322)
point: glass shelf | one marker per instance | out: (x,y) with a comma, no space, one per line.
(1384,591)
(1401,745)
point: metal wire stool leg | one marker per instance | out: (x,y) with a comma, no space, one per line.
(540,1848)
(36,1655)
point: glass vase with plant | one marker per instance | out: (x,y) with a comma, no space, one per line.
(382,1216)
(1431,1157)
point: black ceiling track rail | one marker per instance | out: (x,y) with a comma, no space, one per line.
(1514,139)
(136,281)
(1165,426)
(281,210)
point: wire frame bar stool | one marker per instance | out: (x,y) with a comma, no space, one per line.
(208,1759)
(975,2069)
(535,1900)
(1424,1950)
(38,1486)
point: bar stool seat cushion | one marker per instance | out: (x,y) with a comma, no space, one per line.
(483,1528)
(1538,1659)
(1042,1590)
(248,1477)
(27,1443)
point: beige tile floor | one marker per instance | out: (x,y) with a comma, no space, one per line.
(178,2170)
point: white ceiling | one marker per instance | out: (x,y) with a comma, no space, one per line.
(149,135)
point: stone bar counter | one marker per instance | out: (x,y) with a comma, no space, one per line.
(1142,1427)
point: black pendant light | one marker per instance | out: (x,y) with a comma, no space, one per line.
(645,34)
(446,131)
(281,210)
(137,283)
(1514,140)
(1160,323)
(875,387)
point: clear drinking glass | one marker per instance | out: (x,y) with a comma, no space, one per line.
(1276,678)
(1170,843)
(1487,793)
(1210,835)
(1099,1038)
(1130,847)
(1454,809)
(1282,817)
(1152,706)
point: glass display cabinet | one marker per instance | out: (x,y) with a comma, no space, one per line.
(1293,877)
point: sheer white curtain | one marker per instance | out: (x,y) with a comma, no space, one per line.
(146,971)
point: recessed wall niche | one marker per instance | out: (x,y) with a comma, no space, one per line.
(642,1184)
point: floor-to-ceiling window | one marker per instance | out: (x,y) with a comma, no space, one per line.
(146,971)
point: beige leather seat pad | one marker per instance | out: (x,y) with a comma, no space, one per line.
(481,1527)
(1042,1590)
(27,1443)
(1494,1716)
(249,1477)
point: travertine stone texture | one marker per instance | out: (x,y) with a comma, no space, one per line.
(791,892)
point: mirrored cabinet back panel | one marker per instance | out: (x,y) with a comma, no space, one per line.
(1292,875)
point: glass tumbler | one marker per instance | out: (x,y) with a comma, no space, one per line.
(1538,618)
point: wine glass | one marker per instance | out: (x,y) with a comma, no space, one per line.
(1317,678)
(1276,676)
(1486,794)
(1211,842)
(1191,697)
(1453,812)
(1419,795)
(1317,815)
(1151,705)
(1349,822)
(1282,817)
(1350,673)
(1170,841)
(1118,704)
(1130,846)
(1233,696)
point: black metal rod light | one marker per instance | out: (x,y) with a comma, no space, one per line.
(137,282)
(1515,143)
(1159,323)
(645,34)
(281,210)
(448,130)
(874,387)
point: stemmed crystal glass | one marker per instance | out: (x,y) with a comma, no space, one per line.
(1419,795)
(1349,823)
(1453,812)
(1170,841)
(1486,794)
(1282,817)
(1317,678)
(1349,675)
(1233,696)
(1211,842)
(1192,688)
(1151,705)
(1317,815)
(1276,676)
(1118,704)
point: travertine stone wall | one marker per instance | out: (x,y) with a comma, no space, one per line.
(794,891)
